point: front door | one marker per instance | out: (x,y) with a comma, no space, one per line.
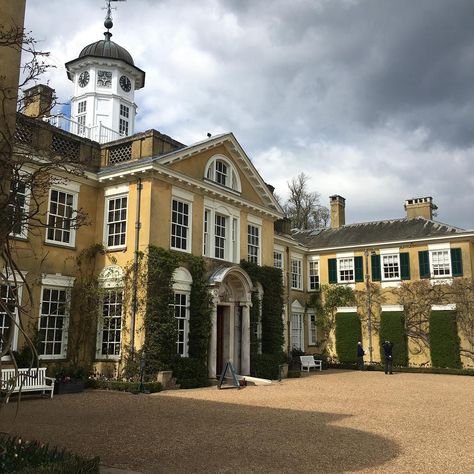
(220,340)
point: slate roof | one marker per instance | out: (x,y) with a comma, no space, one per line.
(374,232)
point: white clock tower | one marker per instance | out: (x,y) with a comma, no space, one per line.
(105,80)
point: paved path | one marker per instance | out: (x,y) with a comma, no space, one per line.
(329,422)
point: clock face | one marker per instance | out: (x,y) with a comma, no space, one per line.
(104,78)
(84,79)
(125,83)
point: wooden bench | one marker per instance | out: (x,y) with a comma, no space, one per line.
(26,380)
(307,362)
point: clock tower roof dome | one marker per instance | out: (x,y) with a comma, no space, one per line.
(107,49)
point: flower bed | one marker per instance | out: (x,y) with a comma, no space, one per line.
(28,457)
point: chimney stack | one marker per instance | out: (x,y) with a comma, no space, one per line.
(338,211)
(420,207)
(38,101)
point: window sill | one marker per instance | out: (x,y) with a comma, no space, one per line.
(175,249)
(441,280)
(50,243)
(391,283)
(116,249)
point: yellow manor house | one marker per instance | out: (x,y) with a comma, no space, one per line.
(99,294)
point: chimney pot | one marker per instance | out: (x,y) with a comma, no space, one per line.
(38,101)
(420,207)
(338,211)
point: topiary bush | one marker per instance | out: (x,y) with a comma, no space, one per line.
(348,333)
(392,328)
(444,340)
(190,372)
(123,386)
(266,366)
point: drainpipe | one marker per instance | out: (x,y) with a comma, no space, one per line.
(135,270)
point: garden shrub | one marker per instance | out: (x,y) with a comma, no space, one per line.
(28,457)
(444,340)
(392,328)
(267,365)
(123,386)
(190,372)
(348,333)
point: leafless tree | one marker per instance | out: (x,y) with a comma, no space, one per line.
(303,207)
(26,175)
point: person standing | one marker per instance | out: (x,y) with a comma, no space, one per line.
(360,356)
(388,355)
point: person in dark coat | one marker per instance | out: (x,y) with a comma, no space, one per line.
(388,355)
(360,356)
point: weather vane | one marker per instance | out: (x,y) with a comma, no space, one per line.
(108,23)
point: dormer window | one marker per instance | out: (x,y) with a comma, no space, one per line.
(222,172)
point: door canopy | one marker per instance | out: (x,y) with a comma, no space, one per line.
(231,284)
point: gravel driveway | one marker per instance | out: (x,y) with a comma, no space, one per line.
(328,422)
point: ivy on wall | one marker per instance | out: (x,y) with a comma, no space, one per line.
(444,340)
(392,328)
(160,323)
(271,308)
(348,333)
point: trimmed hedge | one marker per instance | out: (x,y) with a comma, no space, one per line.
(28,457)
(348,333)
(266,366)
(121,386)
(392,328)
(190,373)
(444,340)
(415,370)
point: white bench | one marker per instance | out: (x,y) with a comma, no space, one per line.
(26,380)
(307,362)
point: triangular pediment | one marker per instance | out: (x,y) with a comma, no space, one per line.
(191,160)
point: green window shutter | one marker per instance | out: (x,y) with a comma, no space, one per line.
(456,262)
(405,266)
(359,268)
(375,263)
(424,261)
(332,267)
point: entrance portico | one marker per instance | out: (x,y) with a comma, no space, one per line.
(231,290)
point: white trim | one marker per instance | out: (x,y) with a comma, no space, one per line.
(15,324)
(391,307)
(313,258)
(182,194)
(68,185)
(105,234)
(345,255)
(278,248)
(118,189)
(296,307)
(182,280)
(390,251)
(63,281)
(251,219)
(402,243)
(72,230)
(189,238)
(14,276)
(443,307)
(296,255)
(396,283)
(300,275)
(232,173)
(444,246)
(111,276)
(259,237)
(444,280)
(346,309)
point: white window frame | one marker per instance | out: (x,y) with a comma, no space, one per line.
(297,331)
(59,283)
(314,262)
(117,192)
(111,278)
(232,175)
(182,281)
(114,331)
(434,256)
(345,262)
(278,250)
(73,190)
(177,197)
(312,329)
(232,230)
(253,243)
(296,263)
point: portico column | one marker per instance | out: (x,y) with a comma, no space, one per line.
(212,354)
(245,350)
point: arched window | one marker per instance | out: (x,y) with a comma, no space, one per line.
(182,281)
(222,172)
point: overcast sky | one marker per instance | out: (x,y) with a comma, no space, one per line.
(374,99)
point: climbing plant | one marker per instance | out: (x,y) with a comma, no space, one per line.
(392,328)
(444,340)
(348,333)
